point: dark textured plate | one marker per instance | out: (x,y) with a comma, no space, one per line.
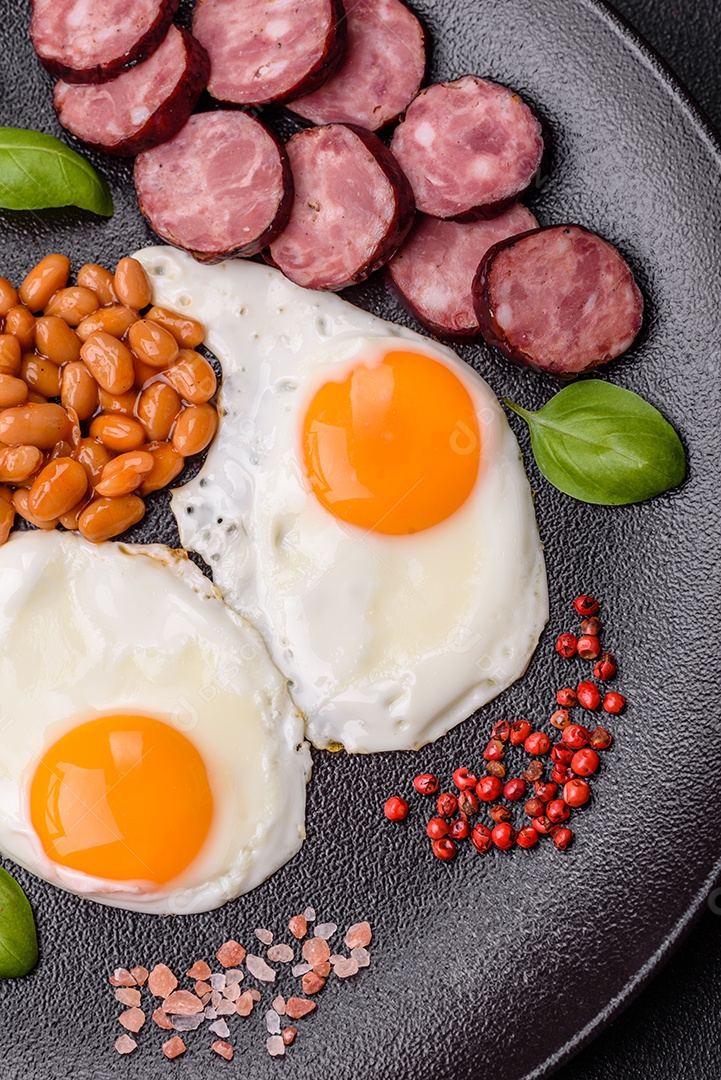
(504,965)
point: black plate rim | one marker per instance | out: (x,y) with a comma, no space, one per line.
(665,74)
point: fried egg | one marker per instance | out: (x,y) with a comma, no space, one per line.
(150,755)
(364,505)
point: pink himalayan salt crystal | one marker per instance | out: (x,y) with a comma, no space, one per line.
(326,930)
(125,1045)
(279,1005)
(358,936)
(233,976)
(132,1020)
(223,1048)
(232,992)
(182,1002)
(244,1004)
(298,926)
(258,968)
(301,969)
(346,967)
(361,956)
(140,974)
(200,971)
(230,954)
(310,914)
(161,981)
(226,1008)
(297,1007)
(122,977)
(315,951)
(281,954)
(188,1023)
(264,936)
(162,1020)
(218,981)
(174,1047)
(127,996)
(275,1046)
(220,1028)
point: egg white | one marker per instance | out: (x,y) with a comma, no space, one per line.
(91,630)
(388,640)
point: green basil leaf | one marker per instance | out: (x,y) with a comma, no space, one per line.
(38,171)
(601,444)
(18,940)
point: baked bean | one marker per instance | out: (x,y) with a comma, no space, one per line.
(12,391)
(41,375)
(8,297)
(117,432)
(75,434)
(194,429)
(158,406)
(7,513)
(56,340)
(167,463)
(193,377)
(152,344)
(20,502)
(34,425)
(98,280)
(109,362)
(17,463)
(58,488)
(93,457)
(10,355)
(73,304)
(36,399)
(105,518)
(186,331)
(144,373)
(132,285)
(78,389)
(115,320)
(61,449)
(21,322)
(70,521)
(44,280)
(125,473)
(118,403)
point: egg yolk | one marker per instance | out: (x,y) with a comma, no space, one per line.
(125,798)
(395,447)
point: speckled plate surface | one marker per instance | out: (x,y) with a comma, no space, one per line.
(504,965)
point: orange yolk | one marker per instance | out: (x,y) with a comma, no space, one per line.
(395,448)
(125,798)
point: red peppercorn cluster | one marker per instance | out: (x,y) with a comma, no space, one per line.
(549,800)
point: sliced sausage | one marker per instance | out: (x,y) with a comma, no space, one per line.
(221,187)
(382,70)
(433,271)
(470,148)
(561,300)
(85,42)
(144,106)
(353,208)
(269,50)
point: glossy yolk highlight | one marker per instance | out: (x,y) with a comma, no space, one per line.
(395,448)
(125,798)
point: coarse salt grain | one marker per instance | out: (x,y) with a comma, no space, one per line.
(224,1049)
(298,926)
(312,983)
(162,1019)
(188,1023)
(244,1004)
(281,954)
(361,956)
(315,951)
(275,1046)
(300,969)
(218,981)
(215,998)
(209,1013)
(272,1022)
(122,977)
(230,954)
(310,914)
(140,974)
(265,936)
(258,968)
(220,1028)
(132,1020)
(127,996)
(359,935)
(226,1008)
(232,992)
(346,967)
(174,1047)
(182,1002)
(297,1007)
(289,1034)
(279,1005)
(322,969)
(125,1045)
(234,976)
(336,958)
(202,988)
(200,970)
(161,981)
(326,930)
(255,994)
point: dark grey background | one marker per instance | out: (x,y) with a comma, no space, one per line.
(672,1031)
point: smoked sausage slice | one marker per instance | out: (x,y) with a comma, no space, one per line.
(353,208)
(269,50)
(433,271)
(82,41)
(221,187)
(382,70)
(470,148)
(560,299)
(144,106)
